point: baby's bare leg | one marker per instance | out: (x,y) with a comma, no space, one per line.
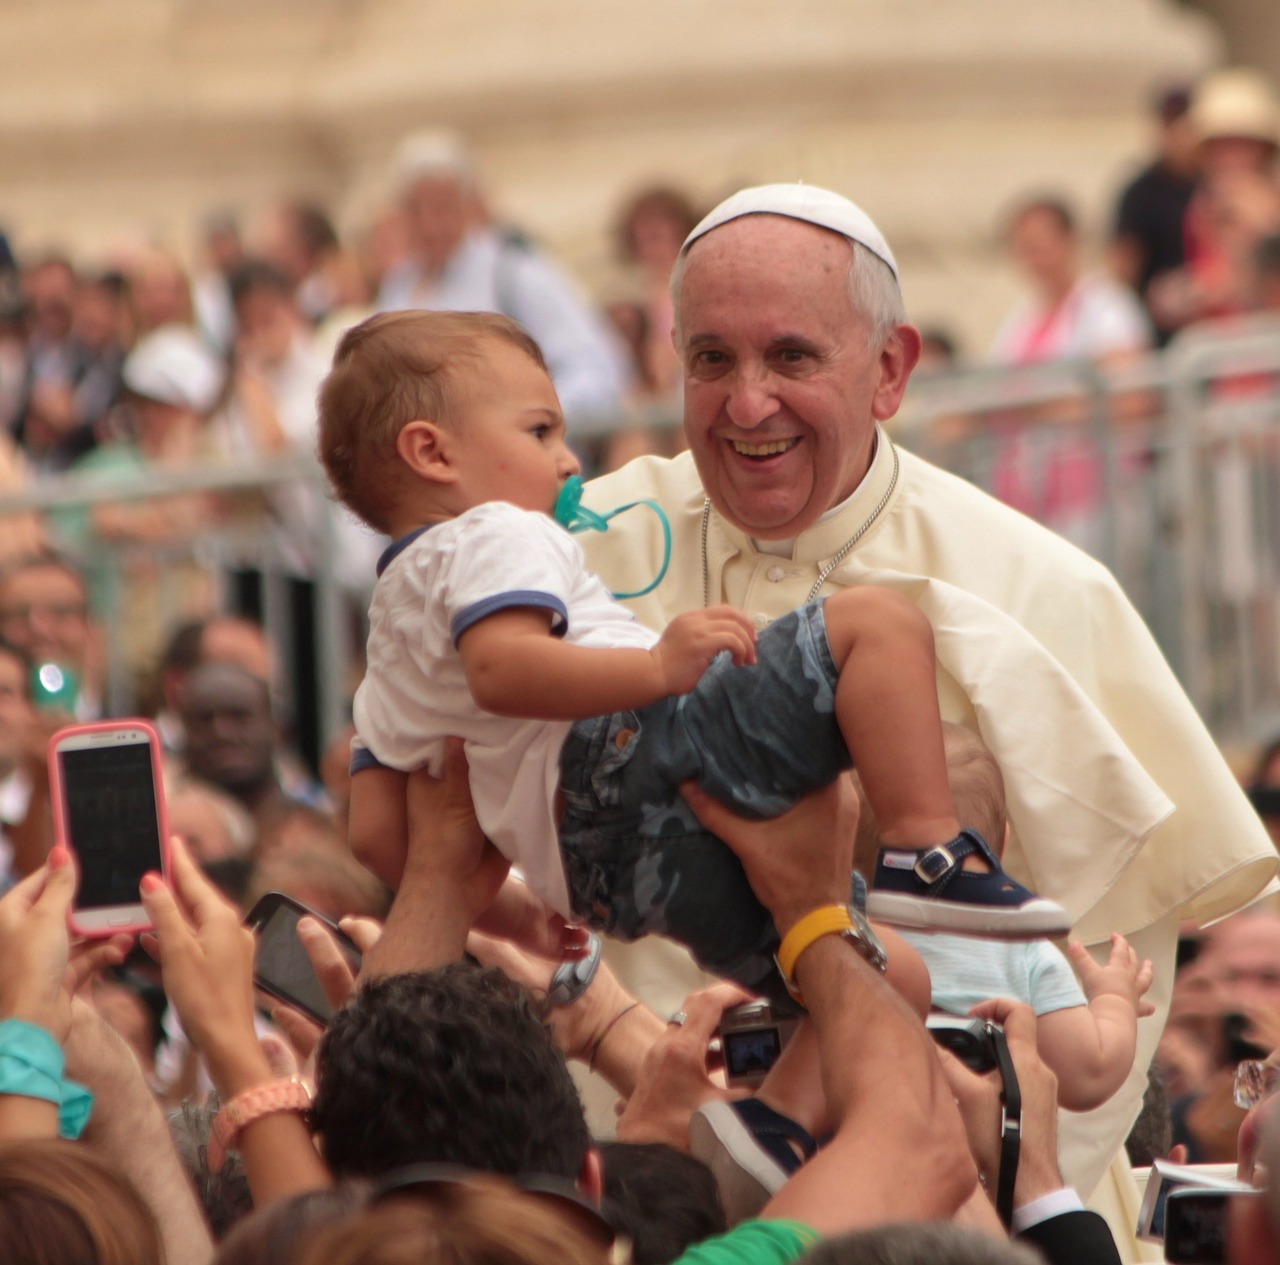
(887,706)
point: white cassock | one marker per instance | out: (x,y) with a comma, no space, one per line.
(1041,654)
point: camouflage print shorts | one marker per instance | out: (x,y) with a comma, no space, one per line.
(757,738)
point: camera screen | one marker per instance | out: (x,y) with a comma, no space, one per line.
(111,820)
(282,962)
(1195,1227)
(751,1051)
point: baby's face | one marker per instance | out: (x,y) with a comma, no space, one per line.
(511,438)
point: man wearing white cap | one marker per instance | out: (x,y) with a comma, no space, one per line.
(790,326)
(460,262)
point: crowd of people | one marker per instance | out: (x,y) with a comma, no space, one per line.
(154,1107)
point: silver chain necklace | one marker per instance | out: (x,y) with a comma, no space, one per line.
(836,559)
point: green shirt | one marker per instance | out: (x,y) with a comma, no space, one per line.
(753,1243)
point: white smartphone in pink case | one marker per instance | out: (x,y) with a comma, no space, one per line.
(109,811)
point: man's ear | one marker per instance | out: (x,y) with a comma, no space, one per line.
(426,449)
(591,1180)
(898,358)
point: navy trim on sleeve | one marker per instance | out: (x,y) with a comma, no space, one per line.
(397,547)
(362,758)
(477,611)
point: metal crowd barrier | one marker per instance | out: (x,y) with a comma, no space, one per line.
(1167,468)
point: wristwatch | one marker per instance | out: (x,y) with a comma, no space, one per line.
(846,921)
(862,935)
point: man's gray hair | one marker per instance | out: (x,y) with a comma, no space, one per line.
(873,290)
(923,1243)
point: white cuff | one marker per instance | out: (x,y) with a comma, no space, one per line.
(1054,1204)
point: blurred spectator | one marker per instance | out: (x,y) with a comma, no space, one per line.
(44,611)
(172,382)
(22,533)
(99,331)
(938,352)
(1147,239)
(1237,1001)
(277,367)
(214,825)
(461,262)
(223,252)
(1046,464)
(1236,120)
(13,355)
(651,229)
(232,740)
(159,291)
(50,427)
(1264,783)
(298,239)
(272,412)
(215,639)
(326,877)
(16,783)
(1069,312)
(135,1008)
(1265,290)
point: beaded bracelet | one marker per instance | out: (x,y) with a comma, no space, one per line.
(31,1065)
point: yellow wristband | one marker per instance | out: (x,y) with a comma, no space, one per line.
(825,921)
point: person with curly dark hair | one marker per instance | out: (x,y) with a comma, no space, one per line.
(448,1066)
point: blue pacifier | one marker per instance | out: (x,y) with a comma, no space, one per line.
(571,514)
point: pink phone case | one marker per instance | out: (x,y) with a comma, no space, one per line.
(58,797)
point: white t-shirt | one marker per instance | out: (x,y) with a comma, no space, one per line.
(1099,317)
(435,584)
(966,970)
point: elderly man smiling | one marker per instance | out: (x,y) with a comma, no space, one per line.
(791,329)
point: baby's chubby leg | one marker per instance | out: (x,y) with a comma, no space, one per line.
(887,706)
(378,822)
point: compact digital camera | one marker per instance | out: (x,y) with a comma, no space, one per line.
(751,1038)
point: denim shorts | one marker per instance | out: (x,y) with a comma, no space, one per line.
(756,738)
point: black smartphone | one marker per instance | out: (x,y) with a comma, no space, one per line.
(1195,1225)
(281,965)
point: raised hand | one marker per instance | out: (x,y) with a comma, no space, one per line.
(1125,975)
(39,968)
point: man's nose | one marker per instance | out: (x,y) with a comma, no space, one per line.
(751,399)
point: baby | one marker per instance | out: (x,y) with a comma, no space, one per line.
(1088,1035)
(443,430)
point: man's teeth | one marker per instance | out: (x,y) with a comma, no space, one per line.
(764,450)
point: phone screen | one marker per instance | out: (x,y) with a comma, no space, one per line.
(282,965)
(112,823)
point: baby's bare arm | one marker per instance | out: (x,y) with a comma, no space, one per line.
(515,667)
(1091,1048)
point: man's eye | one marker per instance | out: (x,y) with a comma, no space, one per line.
(710,359)
(792,355)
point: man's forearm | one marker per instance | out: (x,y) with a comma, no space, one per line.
(424,929)
(129,1131)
